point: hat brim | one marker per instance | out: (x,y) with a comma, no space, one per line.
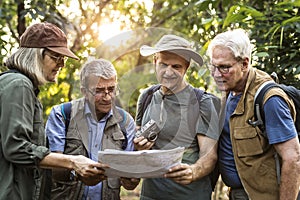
(63,51)
(146,50)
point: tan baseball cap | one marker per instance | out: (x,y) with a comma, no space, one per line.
(46,35)
(174,44)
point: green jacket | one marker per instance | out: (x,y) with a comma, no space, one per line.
(253,155)
(77,144)
(22,140)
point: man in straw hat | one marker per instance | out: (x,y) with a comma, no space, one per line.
(185,116)
(23,151)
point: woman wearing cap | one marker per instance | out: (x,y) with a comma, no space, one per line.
(23,150)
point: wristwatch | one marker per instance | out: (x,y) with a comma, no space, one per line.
(73,175)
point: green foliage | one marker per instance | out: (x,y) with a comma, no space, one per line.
(276,33)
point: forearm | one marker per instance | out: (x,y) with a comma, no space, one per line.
(204,165)
(89,171)
(290,180)
(57,160)
(207,157)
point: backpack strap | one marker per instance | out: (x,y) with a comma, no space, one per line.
(123,124)
(199,93)
(145,101)
(66,109)
(259,114)
(193,108)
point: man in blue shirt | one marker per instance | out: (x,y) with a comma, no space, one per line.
(95,124)
(246,155)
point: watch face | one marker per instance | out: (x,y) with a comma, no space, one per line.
(73,175)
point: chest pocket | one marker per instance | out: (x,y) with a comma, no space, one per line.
(113,138)
(248,142)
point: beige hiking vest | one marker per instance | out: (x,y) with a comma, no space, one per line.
(77,144)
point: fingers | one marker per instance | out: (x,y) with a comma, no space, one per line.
(182,174)
(141,143)
(92,176)
(93,180)
(91,170)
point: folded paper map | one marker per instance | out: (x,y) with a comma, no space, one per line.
(140,164)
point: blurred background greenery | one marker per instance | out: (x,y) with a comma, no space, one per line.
(115,29)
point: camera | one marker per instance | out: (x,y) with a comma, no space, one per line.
(150,131)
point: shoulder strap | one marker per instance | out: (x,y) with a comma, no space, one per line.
(199,93)
(123,124)
(146,99)
(258,104)
(66,113)
(259,98)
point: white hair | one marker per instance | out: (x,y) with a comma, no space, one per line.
(97,67)
(236,40)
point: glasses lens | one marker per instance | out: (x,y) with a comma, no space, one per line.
(100,92)
(224,70)
(60,59)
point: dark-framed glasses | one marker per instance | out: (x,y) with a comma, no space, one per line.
(223,69)
(57,59)
(103,91)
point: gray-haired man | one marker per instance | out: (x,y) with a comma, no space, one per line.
(183,119)
(94,124)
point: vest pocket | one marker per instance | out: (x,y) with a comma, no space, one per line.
(247,142)
(74,146)
(118,135)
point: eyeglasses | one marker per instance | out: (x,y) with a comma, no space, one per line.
(57,59)
(223,69)
(102,92)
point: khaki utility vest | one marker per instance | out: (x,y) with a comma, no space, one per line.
(254,157)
